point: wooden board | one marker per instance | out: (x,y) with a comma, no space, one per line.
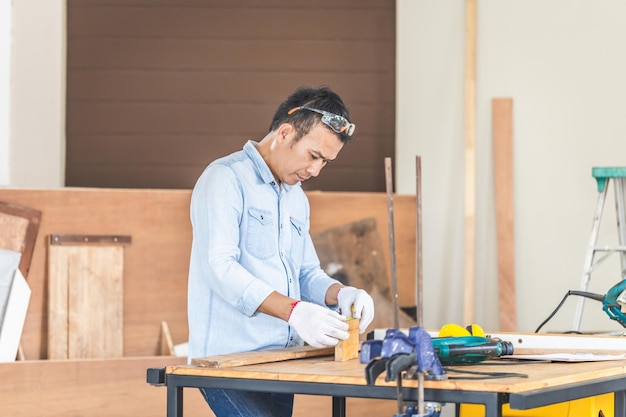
(167,344)
(502,130)
(262,356)
(19,226)
(334,210)
(85,299)
(353,254)
(94,388)
(349,349)
(117,387)
(470,163)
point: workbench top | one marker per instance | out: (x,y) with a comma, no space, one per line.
(325,370)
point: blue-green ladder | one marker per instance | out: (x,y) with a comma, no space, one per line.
(603,176)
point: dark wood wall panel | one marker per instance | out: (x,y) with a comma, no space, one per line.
(157,89)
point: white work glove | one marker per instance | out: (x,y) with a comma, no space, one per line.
(317,325)
(358,304)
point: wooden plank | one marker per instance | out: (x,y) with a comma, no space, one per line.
(349,349)
(392,242)
(58,304)
(117,387)
(167,345)
(353,254)
(333,209)
(502,131)
(262,356)
(19,226)
(96,319)
(94,388)
(470,162)
(85,299)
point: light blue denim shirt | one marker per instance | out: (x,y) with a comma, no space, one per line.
(250,237)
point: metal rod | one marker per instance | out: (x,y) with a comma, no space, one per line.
(392,244)
(419,298)
(419,290)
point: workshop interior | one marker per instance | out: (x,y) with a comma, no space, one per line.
(481,204)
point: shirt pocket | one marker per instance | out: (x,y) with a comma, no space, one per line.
(260,240)
(297,238)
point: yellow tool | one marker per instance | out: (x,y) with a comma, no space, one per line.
(455,330)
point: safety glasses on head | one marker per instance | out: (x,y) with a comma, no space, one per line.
(336,122)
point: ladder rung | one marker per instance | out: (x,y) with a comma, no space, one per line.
(609,248)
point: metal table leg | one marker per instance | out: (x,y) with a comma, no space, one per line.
(493,406)
(339,406)
(619,403)
(174,401)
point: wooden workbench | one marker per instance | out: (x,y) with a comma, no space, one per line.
(545,384)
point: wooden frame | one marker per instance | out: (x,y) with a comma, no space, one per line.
(19,225)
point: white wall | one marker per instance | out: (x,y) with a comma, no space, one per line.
(563,63)
(37,98)
(5,65)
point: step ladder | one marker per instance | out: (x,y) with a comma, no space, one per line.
(603,176)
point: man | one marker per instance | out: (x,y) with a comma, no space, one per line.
(255,280)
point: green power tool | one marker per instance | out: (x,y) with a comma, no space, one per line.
(470,349)
(612,302)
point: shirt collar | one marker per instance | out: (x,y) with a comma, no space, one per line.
(250,148)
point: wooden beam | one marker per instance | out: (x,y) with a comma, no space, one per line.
(261,356)
(19,226)
(167,345)
(392,242)
(502,131)
(349,349)
(470,162)
(94,388)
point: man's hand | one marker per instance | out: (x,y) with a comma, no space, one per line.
(317,325)
(358,304)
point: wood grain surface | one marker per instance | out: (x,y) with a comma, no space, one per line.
(86,318)
(19,226)
(540,375)
(353,253)
(94,388)
(117,387)
(157,262)
(469,279)
(502,131)
(262,356)
(155,276)
(349,349)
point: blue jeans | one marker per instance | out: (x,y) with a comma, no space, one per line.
(234,403)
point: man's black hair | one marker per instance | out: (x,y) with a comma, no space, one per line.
(321,98)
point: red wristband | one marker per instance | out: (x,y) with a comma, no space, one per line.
(293,305)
